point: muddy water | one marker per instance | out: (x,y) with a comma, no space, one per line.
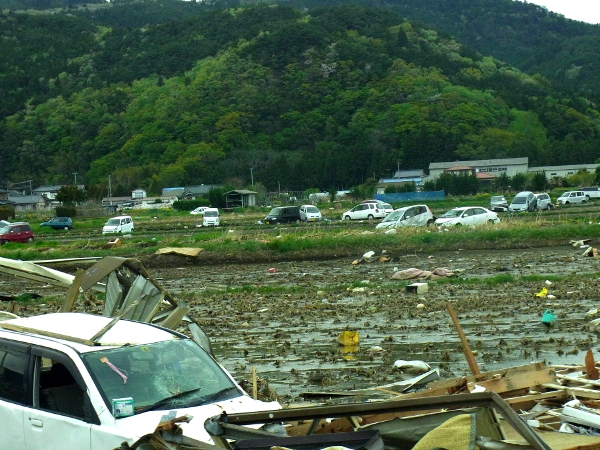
(287,321)
(290,335)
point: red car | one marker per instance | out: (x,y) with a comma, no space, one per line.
(16,232)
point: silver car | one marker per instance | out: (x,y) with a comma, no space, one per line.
(310,213)
(498,203)
(409,216)
(544,202)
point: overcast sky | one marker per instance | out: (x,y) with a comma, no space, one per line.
(585,10)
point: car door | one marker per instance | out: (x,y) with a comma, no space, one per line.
(421,217)
(478,216)
(358,212)
(409,217)
(61,411)
(467,217)
(14,366)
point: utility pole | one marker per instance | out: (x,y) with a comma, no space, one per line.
(75,175)
(251,177)
(109,191)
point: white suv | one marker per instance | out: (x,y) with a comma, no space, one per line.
(73,380)
(572,197)
(365,211)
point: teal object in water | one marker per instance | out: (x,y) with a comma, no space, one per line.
(548,318)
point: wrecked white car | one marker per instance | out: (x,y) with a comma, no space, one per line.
(95,382)
(409,216)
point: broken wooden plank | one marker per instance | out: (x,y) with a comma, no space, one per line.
(466,348)
(526,402)
(181,251)
(532,367)
(590,366)
(583,381)
(526,380)
(577,392)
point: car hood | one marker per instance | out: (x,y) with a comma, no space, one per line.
(139,425)
(443,220)
(383,225)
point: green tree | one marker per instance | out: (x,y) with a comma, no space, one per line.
(539,181)
(71,195)
(502,182)
(517,181)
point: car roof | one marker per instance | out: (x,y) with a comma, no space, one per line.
(74,329)
(465,207)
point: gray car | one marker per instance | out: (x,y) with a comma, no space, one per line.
(498,203)
(523,202)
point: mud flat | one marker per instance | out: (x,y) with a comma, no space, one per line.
(285,321)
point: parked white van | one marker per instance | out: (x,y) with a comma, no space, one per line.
(119,224)
(211,217)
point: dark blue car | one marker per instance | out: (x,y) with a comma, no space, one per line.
(59,223)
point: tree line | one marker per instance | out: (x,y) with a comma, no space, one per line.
(293,99)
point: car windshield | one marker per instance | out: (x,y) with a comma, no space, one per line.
(519,200)
(498,199)
(386,205)
(211,213)
(453,213)
(394,216)
(113,222)
(312,209)
(274,212)
(4,229)
(162,375)
(566,194)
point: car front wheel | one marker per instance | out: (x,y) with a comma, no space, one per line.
(30,239)
(370,217)
(346,217)
(430,222)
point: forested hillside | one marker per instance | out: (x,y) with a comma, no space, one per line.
(320,99)
(525,35)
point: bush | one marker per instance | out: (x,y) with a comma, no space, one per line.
(189,205)
(66,211)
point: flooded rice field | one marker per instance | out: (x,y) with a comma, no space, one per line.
(284,318)
(286,321)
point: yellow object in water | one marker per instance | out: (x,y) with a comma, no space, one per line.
(348,338)
(543,293)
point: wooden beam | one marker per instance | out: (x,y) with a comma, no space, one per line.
(466,348)
(516,382)
(590,366)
